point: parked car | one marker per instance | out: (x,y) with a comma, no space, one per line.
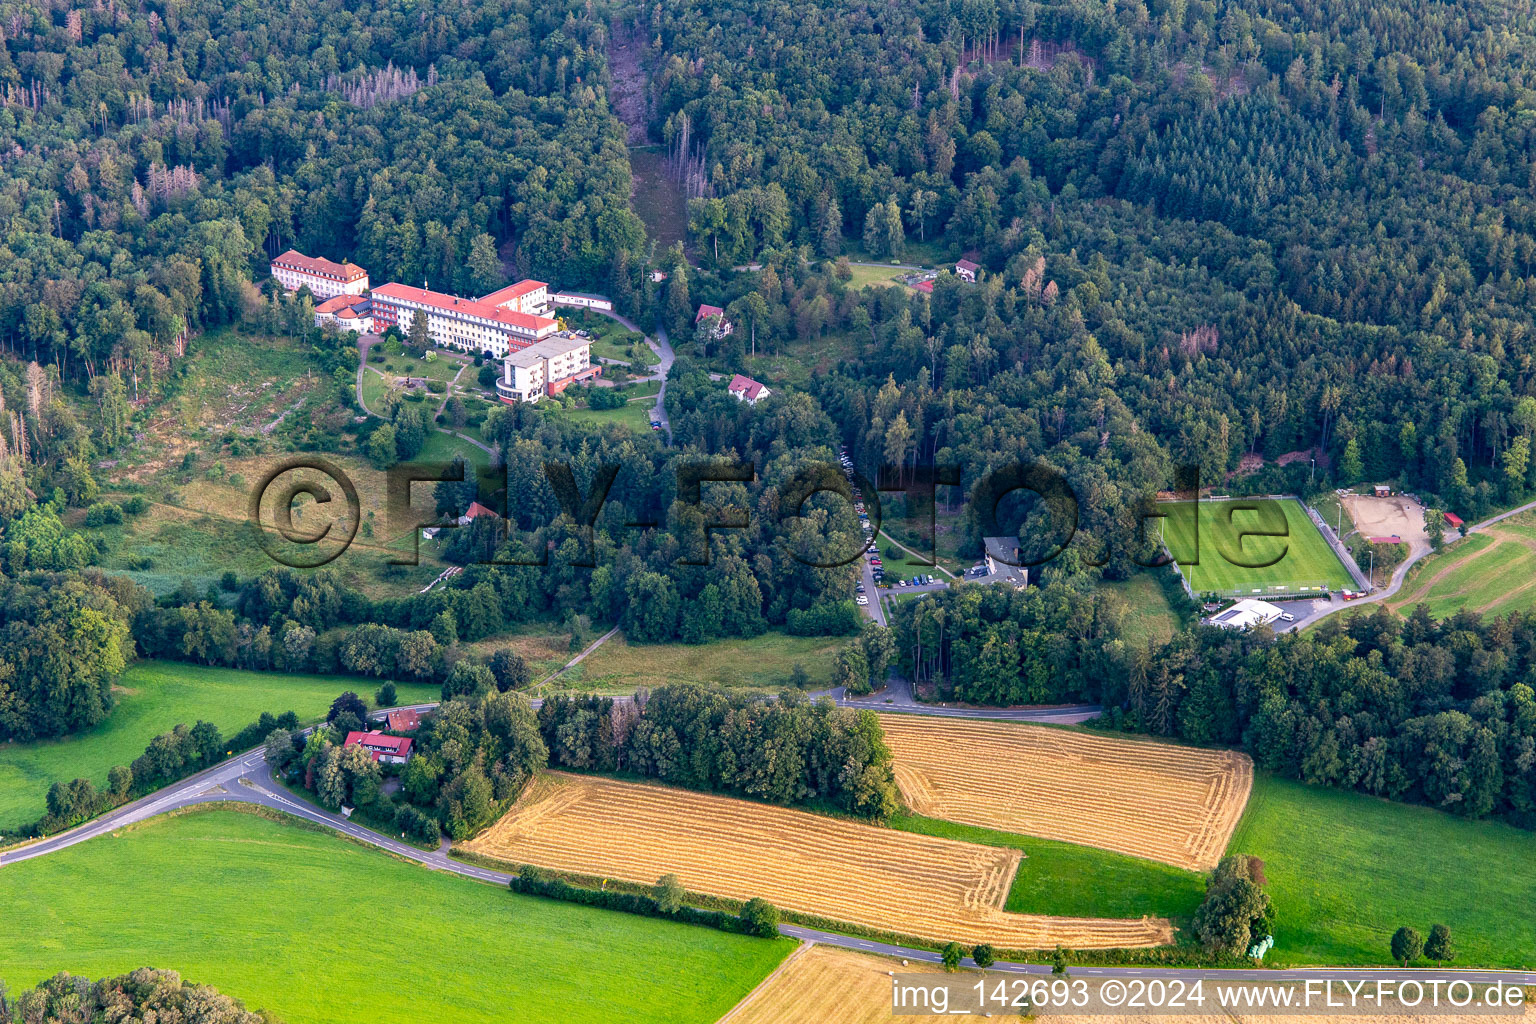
(1287,617)
(862,599)
(858,588)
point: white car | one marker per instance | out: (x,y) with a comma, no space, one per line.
(862,599)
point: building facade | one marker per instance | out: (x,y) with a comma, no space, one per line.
(545,368)
(324,278)
(531,297)
(347,312)
(469,325)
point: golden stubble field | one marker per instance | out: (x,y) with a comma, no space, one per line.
(1177,805)
(820,984)
(846,871)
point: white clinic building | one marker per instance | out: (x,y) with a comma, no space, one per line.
(545,368)
(469,325)
(324,278)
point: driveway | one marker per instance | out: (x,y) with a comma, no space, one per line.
(663,349)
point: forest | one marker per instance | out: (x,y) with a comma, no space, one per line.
(1291,246)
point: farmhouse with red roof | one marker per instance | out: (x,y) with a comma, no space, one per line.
(384,749)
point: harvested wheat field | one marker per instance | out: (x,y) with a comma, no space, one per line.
(930,888)
(818,984)
(1177,805)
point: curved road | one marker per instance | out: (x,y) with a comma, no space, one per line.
(248,779)
(1337,604)
(662,346)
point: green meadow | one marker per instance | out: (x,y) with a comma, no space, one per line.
(318,930)
(154,697)
(1347,870)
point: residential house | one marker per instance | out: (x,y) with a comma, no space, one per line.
(404,720)
(966,270)
(384,749)
(723,328)
(745,389)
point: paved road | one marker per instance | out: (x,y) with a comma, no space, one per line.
(1418,551)
(248,779)
(663,349)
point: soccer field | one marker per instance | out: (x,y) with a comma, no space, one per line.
(1227,563)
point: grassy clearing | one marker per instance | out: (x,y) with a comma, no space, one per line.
(1067,880)
(635,416)
(762,661)
(1300,558)
(187,891)
(1347,870)
(658,200)
(1492,572)
(865,276)
(442,447)
(1152,602)
(154,697)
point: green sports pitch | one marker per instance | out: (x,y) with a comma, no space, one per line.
(1251,547)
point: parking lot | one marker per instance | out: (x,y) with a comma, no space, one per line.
(873,580)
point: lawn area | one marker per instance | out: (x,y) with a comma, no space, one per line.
(154,696)
(761,661)
(442,447)
(1492,572)
(1346,870)
(1299,557)
(905,565)
(1152,599)
(635,416)
(316,929)
(1068,880)
(864,276)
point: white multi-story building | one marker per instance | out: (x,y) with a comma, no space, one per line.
(325,279)
(469,325)
(546,368)
(531,297)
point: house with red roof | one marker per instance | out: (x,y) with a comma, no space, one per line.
(745,389)
(384,749)
(347,312)
(723,329)
(404,720)
(925,286)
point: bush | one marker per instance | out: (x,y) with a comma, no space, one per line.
(103,513)
(761,918)
(136,505)
(437,387)
(757,914)
(416,824)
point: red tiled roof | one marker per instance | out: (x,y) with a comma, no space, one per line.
(377,743)
(746,387)
(405,720)
(925,286)
(1453,519)
(512,291)
(477,509)
(705,311)
(967,265)
(472,307)
(1394,539)
(295,260)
